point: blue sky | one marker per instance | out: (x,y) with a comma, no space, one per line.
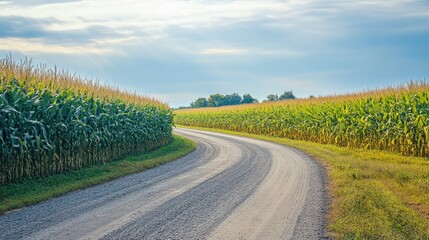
(179,50)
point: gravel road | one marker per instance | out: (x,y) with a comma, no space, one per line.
(229,188)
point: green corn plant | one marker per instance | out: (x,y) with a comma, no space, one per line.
(392,119)
(51,123)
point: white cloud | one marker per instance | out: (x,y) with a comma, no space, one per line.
(31,46)
(279,52)
(161,14)
(144,19)
(222,51)
(255,52)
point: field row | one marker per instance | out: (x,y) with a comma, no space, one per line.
(396,120)
(51,122)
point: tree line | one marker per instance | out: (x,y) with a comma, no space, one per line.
(218,100)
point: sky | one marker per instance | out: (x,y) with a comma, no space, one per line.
(180,50)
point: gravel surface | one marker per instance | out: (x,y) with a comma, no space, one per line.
(229,188)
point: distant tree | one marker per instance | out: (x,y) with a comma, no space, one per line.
(272,97)
(247,98)
(216,100)
(287,95)
(232,99)
(199,103)
(311,96)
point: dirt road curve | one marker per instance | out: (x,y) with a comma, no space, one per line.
(229,188)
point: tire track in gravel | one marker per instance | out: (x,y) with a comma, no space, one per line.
(229,188)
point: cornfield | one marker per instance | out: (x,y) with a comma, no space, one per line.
(394,119)
(53,122)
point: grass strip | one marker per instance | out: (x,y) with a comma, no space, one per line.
(31,191)
(374,194)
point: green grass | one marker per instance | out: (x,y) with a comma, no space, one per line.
(32,191)
(374,194)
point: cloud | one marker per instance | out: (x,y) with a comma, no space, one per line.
(24,27)
(26,46)
(32,35)
(89,34)
(222,51)
(296,23)
(254,52)
(42,28)
(37,2)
